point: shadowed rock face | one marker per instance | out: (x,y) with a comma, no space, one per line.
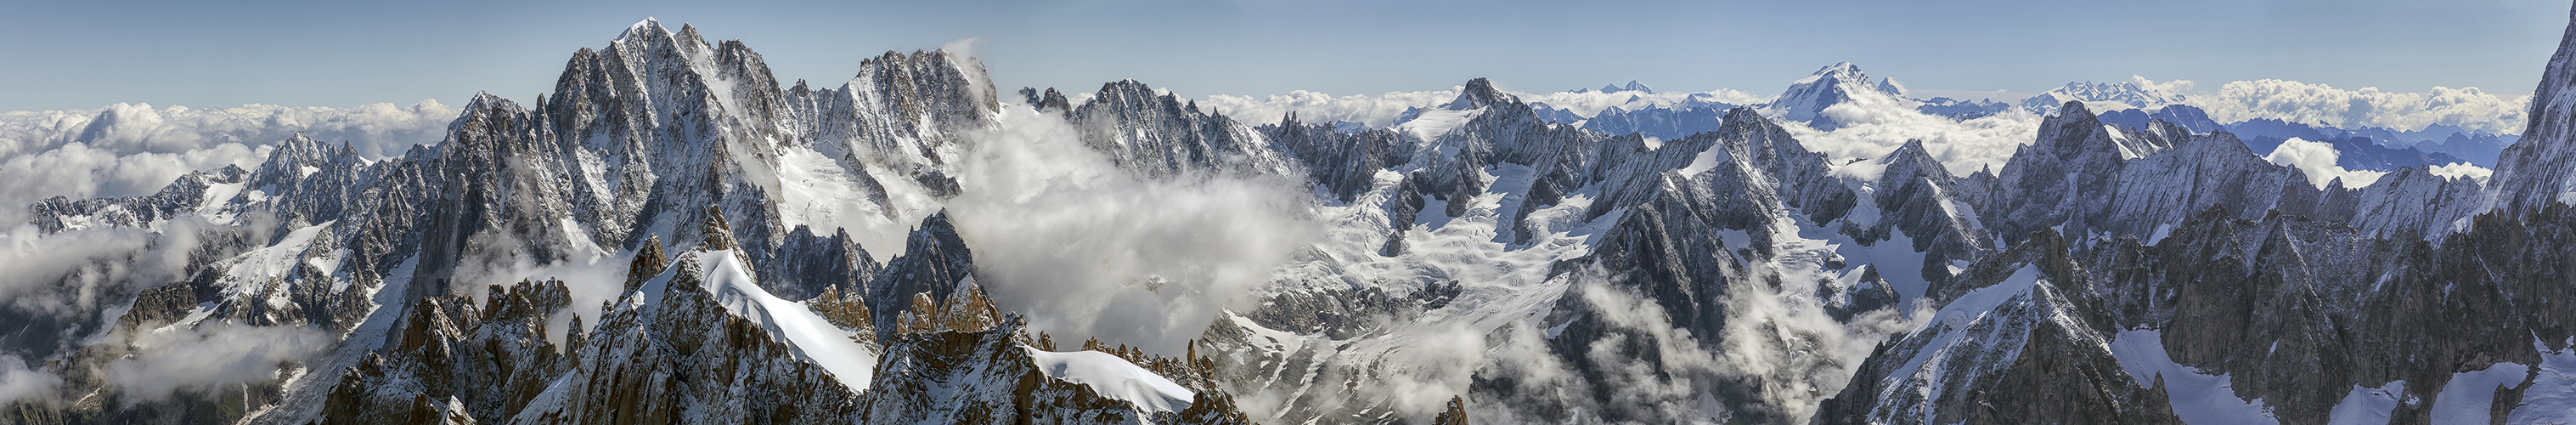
(934,260)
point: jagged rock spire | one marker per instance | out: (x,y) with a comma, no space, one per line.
(714,234)
(1457,413)
(649,261)
(935,258)
(850,312)
(1480,92)
(965,310)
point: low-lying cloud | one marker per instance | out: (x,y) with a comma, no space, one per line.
(591,277)
(17,382)
(2468,108)
(76,273)
(135,149)
(80,171)
(1872,131)
(2317,160)
(1091,250)
(375,130)
(210,356)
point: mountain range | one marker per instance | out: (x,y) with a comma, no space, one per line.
(675,236)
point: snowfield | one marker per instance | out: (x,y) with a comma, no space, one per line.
(1114,377)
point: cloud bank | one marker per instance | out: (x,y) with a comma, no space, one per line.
(209,357)
(135,149)
(2469,108)
(2460,170)
(1870,131)
(2317,160)
(81,171)
(19,383)
(76,273)
(1088,249)
(376,130)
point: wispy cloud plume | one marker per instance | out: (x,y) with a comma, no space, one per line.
(1088,249)
(210,356)
(2317,160)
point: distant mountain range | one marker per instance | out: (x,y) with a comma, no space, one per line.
(674,236)
(2124,103)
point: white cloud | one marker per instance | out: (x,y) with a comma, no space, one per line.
(2461,169)
(592,277)
(1088,249)
(375,130)
(1871,131)
(2299,102)
(135,149)
(80,171)
(17,382)
(210,356)
(2317,160)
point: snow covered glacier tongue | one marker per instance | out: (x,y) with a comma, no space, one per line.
(674,236)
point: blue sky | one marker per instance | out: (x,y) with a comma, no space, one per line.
(79,55)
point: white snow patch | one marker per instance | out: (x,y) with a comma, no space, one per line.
(216,195)
(819,193)
(253,270)
(2469,395)
(2467,107)
(1706,160)
(1872,130)
(2552,396)
(2197,398)
(813,338)
(1114,377)
(2162,231)
(2366,405)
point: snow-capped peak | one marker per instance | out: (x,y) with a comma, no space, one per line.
(1479,93)
(1832,85)
(1838,70)
(1891,87)
(2138,92)
(645,28)
(1633,86)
